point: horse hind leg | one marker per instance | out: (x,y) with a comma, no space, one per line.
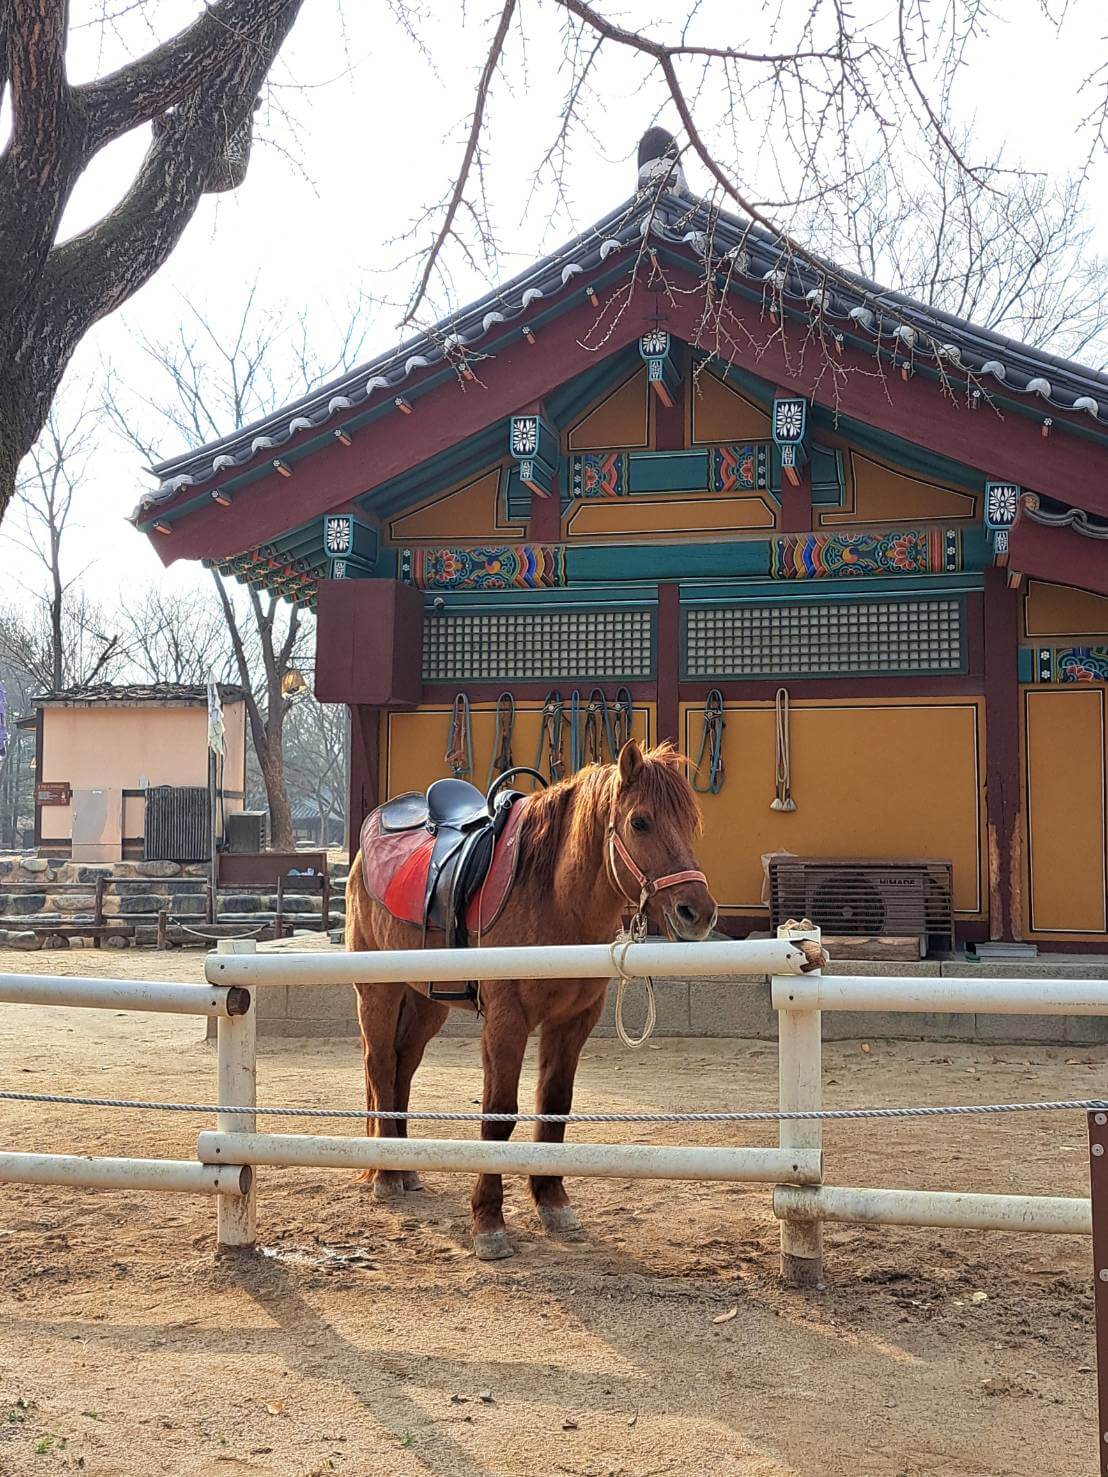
(379,1009)
(420,1020)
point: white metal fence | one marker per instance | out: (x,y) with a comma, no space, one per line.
(802,1202)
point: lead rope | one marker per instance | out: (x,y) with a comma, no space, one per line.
(550,736)
(711,742)
(459,742)
(634,934)
(501,760)
(783,799)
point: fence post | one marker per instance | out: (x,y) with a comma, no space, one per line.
(236,1073)
(1098,1185)
(800,1076)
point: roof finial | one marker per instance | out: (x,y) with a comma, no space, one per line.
(658,160)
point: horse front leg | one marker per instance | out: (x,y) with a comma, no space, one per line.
(560,1047)
(503,1042)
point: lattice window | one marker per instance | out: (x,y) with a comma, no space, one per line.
(546,644)
(809,640)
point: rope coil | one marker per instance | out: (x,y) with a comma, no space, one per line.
(618,951)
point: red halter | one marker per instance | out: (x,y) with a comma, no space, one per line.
(647,888)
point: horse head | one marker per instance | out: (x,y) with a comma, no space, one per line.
(652,826)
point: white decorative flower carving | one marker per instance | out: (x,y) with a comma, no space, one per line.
(655,343)
(788,420)
(1002,502)
(525,435)
(338,535)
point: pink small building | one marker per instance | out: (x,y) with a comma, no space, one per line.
(100,751)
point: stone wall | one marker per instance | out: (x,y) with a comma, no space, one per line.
(59,898)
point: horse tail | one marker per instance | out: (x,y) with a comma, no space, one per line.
(358,931)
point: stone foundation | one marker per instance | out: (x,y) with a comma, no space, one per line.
(739,1006)
(26,917)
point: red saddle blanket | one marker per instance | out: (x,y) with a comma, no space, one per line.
(395,866)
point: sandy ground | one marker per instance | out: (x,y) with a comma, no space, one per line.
(369,1341)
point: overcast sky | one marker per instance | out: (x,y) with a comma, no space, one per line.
(379,126)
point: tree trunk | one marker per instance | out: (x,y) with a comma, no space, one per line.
(271,762)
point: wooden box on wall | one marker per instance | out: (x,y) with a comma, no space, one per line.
(369,643)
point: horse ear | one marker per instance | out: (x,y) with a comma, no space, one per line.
(630,761)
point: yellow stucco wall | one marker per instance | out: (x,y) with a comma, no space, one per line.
(1065,764)
(128,748)
(873,777)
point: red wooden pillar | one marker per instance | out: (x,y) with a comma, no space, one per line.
(1002,764)
(669,661)
(365,767)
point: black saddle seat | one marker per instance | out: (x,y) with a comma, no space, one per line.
(457,805)
(451,805)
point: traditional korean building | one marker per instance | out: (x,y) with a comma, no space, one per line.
(671,470)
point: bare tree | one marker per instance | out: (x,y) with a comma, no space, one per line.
(44,493)
(17,807)
(205,383)
(1018,259)
(176,638)
(90,649)
(198,89)
(791,106)
(316,759)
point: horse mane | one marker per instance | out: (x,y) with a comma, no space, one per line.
(564,820)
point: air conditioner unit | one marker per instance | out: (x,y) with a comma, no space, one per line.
(247,831)
(866,899)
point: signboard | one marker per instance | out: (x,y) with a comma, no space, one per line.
(53,792)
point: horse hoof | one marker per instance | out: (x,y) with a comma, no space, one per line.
(388,1189)
(412,1180)
(492,1246)
(560,1220)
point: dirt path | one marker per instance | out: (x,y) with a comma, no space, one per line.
(368,1341)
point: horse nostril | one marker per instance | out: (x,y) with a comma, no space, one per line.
(686,914)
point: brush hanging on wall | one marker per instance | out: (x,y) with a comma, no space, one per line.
(783,799)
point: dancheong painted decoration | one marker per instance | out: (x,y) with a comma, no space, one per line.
(878,615)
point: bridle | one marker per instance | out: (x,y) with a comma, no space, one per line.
(647,888)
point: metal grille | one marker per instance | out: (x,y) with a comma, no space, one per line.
(797,639)
(546,644)
(178,824)
(869,899)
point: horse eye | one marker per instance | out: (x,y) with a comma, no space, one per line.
(640,823)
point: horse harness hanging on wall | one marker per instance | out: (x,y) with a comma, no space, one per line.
(552,724)
(459,741)
(711,743)
(501,760)
(598,730)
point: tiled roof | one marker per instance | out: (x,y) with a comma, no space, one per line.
(1057,516)
(108,695)
(668,216)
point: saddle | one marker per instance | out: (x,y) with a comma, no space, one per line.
(445,861)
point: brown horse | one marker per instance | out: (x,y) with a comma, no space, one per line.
(585,847)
